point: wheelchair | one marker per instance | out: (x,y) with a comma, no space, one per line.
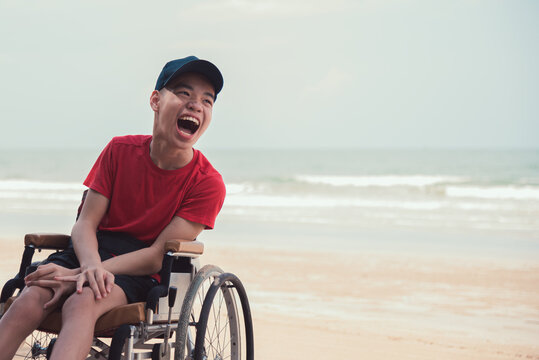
(195,313)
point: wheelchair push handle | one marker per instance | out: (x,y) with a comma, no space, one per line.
(172,291)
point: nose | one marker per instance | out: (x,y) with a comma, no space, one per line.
(194,105)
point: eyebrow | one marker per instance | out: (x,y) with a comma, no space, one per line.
(189,87)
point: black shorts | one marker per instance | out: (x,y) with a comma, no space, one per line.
(136,288)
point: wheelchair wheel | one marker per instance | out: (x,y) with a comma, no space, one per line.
(221,333)
(36,346)
(191,308)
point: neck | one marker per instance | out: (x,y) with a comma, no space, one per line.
(169,159)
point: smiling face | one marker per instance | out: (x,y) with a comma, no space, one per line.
(183,110)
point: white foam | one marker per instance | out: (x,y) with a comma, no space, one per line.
(494,192)
(255,200)
(33,195)
(238,188)
(27,185)
(486,206)
(381,180)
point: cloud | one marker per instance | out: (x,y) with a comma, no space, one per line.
(265,8)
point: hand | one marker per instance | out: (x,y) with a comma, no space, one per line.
(98,279)
(59,289)
(49,272)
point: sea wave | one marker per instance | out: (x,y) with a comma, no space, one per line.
(279,201)
(32,185)
(39,191)
(380,180)
(236,188)
(494,192)
(54,196)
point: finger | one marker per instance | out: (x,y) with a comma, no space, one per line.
(56,297)
(109,281)
(93,285)
(81,279)
(100,278)
(43,283)
(71,278)
(42,271)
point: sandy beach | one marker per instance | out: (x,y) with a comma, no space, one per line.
(384,306)
(338,305)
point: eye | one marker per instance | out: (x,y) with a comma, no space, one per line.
(182,92)
(208,101)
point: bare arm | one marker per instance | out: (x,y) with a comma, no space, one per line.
(84,231)
(148,261)
(145,261)
(85,244)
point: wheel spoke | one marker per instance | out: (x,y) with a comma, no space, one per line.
(220,327)
(35,346)
(216,320)
(218,338)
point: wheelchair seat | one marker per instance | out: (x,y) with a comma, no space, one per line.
(125,314)
(180,305)
(105,326)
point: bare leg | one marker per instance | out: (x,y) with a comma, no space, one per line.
(23,317)
(79,314)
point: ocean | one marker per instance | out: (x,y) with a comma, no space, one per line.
(481,201)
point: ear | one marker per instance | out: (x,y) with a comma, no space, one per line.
(154,100)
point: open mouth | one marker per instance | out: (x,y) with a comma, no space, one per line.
(188,124)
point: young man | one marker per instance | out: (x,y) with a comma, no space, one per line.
(143,191)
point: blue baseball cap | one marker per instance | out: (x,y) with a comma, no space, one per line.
(174,68)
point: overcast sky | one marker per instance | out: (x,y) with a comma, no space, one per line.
(298,73)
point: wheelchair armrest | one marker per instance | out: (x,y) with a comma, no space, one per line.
(191,248)
(47,241)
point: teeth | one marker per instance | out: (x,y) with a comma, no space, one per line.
(189,118)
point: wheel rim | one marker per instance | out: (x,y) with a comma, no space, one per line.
(222,334)
(191,308)
(221,338)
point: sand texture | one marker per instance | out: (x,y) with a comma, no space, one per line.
(386,306)
(309,305)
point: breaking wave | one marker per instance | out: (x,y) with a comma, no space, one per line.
(381,180)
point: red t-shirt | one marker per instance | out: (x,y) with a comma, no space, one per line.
(144,198)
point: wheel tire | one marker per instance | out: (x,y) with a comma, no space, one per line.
(220,332)
(191,307)
(157,350)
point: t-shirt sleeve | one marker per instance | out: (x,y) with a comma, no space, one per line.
(101,175)
(203,202)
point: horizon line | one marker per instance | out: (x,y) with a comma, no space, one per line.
(293,148)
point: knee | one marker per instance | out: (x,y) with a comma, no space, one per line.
(31,301)
(80,303)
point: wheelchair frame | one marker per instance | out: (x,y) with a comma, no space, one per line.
(207,325)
